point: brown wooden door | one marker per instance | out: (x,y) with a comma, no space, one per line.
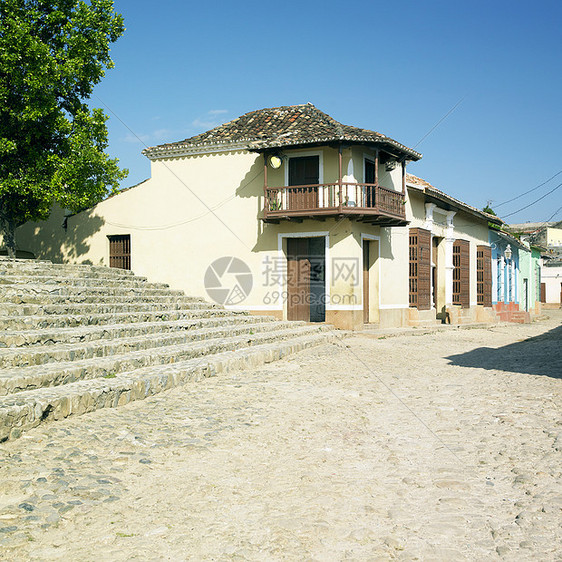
(366,259)
(305,171)
(543,292)
(306,279)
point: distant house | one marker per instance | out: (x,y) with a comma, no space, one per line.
(546,237)
(551,280)
(287,212)
(515,277)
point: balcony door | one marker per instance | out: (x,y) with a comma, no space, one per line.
(370,178)
(305,171)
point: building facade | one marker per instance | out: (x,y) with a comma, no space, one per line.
(287,212)
(516,277)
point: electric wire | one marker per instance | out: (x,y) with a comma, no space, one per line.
(529,191)
(177,177)
(440,121)
(533,202)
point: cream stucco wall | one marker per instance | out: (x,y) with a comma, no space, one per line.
(197,209)
(553,237)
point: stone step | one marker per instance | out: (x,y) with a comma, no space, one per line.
(62,352)
(12,281)
(520,317)
(424,323)
(64,372)
(9,292)
(63,321)
(25,410)
(31,309)
(31,267)
(81,334)
(99,300)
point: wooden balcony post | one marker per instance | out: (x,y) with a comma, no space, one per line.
(265,205)
(377,193)
(340,172)
(403,178)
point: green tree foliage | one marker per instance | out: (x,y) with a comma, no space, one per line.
(52,54)
(489,210)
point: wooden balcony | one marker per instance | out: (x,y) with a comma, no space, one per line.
(364,202)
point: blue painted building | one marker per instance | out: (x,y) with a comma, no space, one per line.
(505,266)
(514,278)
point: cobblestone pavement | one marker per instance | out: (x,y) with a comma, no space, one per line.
(444,446)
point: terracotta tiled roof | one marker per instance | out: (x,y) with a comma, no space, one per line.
(282,127)
(437,193)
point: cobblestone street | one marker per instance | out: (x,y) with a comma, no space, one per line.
(444,446)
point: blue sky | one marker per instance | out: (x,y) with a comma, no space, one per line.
(183,67)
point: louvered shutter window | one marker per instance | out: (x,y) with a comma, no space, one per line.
(420,268)
(461,273)
(484,275)
(120,251)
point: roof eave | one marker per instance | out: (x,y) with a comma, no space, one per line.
(405,152)
(179,150)
(461,206)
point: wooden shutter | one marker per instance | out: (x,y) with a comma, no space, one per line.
(420,268)
(120,251)
(484,275)
(461,273)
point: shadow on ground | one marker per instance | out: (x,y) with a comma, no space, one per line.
(539,355)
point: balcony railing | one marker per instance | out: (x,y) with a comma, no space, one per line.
(364,201)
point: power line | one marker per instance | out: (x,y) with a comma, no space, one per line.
(209,209)
(532,203)
(440,121)
(553,215)
(529,191)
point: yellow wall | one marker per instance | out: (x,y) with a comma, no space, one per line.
(197,209)
(193,211)
(554,236)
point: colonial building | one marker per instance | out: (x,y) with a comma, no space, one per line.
(285,211)
(516,277)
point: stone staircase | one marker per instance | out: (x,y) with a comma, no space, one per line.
(76,338)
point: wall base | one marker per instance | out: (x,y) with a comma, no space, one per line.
(486,314)
(345,319)
(422,318)
(277,314)
(394,317)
